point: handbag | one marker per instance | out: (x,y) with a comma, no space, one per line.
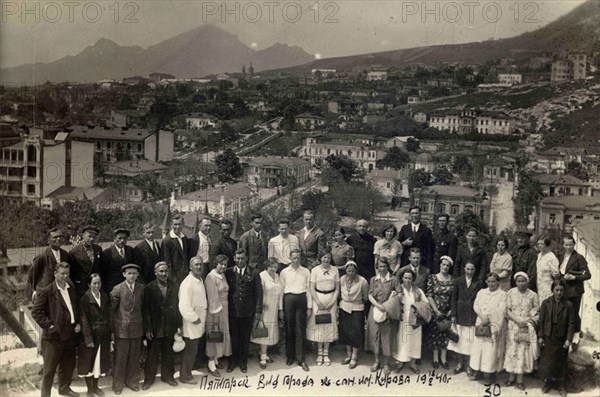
(483,331)
(452,334)
(523,335)
(324,318)
(443,324)
(215,335)
(260,330)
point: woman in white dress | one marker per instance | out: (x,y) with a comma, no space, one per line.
(272,310)
(218,313)
(324,289)
(389,247)
(547,268)
(501,264)
(487,352)
(408,346)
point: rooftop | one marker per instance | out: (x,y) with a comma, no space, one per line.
(308,116)
(450,190)
(134,168)
(590,232)
(574,202)
(76,193)
(550,179)
(275,160)
(230,192)
(102,133)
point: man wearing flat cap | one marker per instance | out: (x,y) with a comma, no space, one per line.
(126,305)
(524,258)
(85,258)
(114,258)
(162,321)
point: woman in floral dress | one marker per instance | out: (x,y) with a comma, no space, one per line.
(522,310)
(439,293)
(272,310)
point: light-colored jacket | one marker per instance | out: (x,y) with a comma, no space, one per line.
(192,306)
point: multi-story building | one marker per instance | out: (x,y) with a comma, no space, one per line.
(127,118)
(572,67)
(559,212)
(452,200)
(562,185)
(309,120)
(221,201)
(120,144)
(33,167)
(510,78)
(363,151)
(393,184)
(377,75)
(465,121)
(273,171)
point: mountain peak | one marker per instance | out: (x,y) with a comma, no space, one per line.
(104,43)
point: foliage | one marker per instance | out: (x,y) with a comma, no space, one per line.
(339,168)
(577,170)
(395,158)
(413,145)
(228,166)
(419,178)
(527,198)
(356,200)
(463,167)
(441,176)
(467,220)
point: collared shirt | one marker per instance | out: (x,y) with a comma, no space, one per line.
(295,281)
(65,295)
(280,247)
(257,234)
(563,265)
(173,235)
(56,254)
(415,227)
(203,246)
(240,270)
(153,246)
(414,269)
(307,232)
(121,251)
(131,287)
(469,281)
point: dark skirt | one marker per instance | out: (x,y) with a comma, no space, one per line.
(352,328)
(86,357)
(553,360)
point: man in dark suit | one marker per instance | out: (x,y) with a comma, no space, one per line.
(56,310)
(245,307)
(85,259)
(126,305)
(147,254)
(162,321)
(415,265)
(255,244)
(176,251)
(524,258)
(42,269)
(225,244)
(446,243)
(363,244)
(114,258)
(417,235)
(312,241)
(574,270)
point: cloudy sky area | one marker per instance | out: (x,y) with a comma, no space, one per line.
(323,28)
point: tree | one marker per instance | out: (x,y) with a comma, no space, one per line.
(527,198)
(577,170)
(357,200)
(395,158)
(413,145)
(228,166)
(462,166)
(419,178)
(442,176)
(467,220)
(339,168)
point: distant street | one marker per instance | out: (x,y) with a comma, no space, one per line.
(503,207)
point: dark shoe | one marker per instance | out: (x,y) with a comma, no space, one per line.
(133,388)
(436,365)
(289,362)
(244,369)
(493,378)
(418,361)
(220,365)
(230,368)
(171,382)
(375,367)
(97,390)
(415,370)
(546,388)
(146,385)
(69,392)
(270,360)
(215,373)
(386,369)
(190,381)
(304,366)
(445,366)
(521,386)
(459,369)
(346,361)
(353,364)
(399,367)
(509,383)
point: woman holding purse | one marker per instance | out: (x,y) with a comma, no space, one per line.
(487,352)
(324,289)
(218,315)
(522,310)
(439,293)
(94,350)
(272,310)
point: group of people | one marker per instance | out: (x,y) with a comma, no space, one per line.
(389,296)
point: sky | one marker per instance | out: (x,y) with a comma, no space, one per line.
(44,31)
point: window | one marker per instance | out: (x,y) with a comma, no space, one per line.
(425,206)
(388,185)
(441,208)
(454,209)
(552,219)
(30,189)
(469,208)
(99,145)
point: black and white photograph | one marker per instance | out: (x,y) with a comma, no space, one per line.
(299,198)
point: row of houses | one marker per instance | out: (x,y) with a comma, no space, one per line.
(468,120)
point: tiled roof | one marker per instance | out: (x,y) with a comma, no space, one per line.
(131,134)
(277,161)
(231,193)
(550,179)
(450,190)
(574,202)
(134,167)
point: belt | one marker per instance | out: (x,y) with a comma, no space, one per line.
(325,292)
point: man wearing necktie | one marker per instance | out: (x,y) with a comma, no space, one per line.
(147,254)
(255,244)
(114,258)
(417,235)
(126,305)
(245,307)
(177,250)
(312,241)
(224,245)
(201,243)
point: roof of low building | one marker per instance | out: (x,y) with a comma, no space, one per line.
(566,179)
(308,116)
(230,192)
(102,133)
(134,167)
(450,190)
(574,202)
(76,193)
(275,160)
